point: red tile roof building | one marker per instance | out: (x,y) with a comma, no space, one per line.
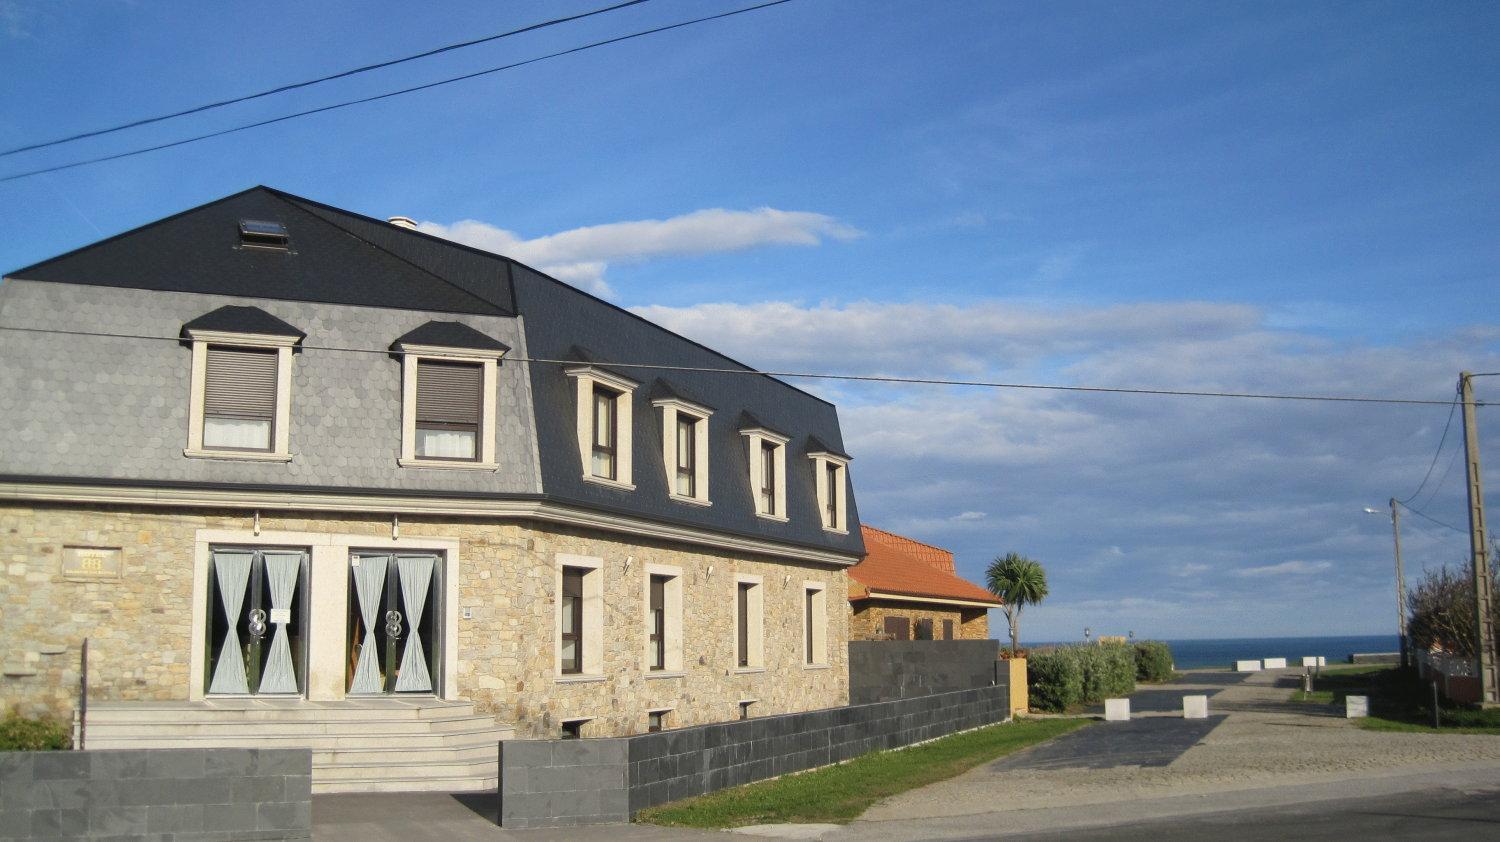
(905,589)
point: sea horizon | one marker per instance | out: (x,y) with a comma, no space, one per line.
(1200,652)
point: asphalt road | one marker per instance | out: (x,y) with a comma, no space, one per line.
(1428,815)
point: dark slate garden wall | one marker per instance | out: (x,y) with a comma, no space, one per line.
(217,794)
(883,670)
(550,783)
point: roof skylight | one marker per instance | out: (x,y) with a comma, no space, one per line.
(263,233)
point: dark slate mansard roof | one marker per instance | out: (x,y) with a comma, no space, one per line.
(339,257)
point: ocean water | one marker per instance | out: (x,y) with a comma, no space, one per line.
(1195,654)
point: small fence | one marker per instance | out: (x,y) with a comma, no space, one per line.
(1457,678)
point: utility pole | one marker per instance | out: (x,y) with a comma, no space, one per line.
(1400,585)
(1489,687)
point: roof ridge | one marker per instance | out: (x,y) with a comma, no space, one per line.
(294,201)
(905,538)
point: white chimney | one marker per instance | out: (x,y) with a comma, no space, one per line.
(403,222)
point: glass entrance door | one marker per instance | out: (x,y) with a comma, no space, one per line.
(257,631)
(394,623)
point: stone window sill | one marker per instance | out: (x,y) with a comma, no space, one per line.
(237,455)
(579,679)
(777,518)
(664,674)
(694,501)
(609,483)
(817,666)
(836,531)
(748,670)
(453,466)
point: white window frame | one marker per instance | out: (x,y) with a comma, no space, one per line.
(671,627)
(821,461)
(593,618)
(489,362)
(281,432)
(585,379)
(672,411)
(819,630)
(756,437)
(755,612)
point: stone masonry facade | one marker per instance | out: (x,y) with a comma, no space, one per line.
(867,620)
(140,625)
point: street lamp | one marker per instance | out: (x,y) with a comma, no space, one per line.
(1400,578)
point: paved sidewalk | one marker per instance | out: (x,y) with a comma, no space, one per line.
(1255,740)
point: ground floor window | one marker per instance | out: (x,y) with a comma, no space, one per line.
(257,628)
(394,622)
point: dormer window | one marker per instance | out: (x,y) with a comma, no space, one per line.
(605,419)
(767,458)
(239,406)
(448,376)
(831,478)
(684,444)
(262,233)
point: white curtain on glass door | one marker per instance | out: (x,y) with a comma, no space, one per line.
(233,572)
(369,581)
(416,574)
(282,570)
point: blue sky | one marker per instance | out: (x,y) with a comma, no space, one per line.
(1271,196)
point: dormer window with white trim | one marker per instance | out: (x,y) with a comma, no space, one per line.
(448,394)
(604,424)
(830,473)
(240,401)
(684,447)
(767,457)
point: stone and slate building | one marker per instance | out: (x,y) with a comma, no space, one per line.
(306,477)
(907,590)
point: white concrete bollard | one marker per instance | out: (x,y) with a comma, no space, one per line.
(1116,710)
(1247,666)
(1319,661)
(1194,707)
(1274,663)
(1356,707)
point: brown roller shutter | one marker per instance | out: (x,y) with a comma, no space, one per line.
(241,383)
(449,393)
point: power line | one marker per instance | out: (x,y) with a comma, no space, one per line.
(921,381)
(198,109)
(1452,460)
(388,95)
(1441,441)
(1421,514)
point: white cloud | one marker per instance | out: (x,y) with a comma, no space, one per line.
(581,256)
(1286,568)
(967,516)
(1202,491)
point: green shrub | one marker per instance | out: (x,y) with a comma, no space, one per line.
(1055,682)
(18,733)
(1153,661)
(1082,673)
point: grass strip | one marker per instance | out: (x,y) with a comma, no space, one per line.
(1399,702)
(839,794)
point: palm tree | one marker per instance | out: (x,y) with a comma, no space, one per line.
(1020,582)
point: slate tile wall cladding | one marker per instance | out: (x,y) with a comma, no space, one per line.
(881,670)
(157,794)
(88,406)
(550,783)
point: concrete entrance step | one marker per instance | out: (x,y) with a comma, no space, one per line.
(385,745)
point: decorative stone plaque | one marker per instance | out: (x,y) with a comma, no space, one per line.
(91,564)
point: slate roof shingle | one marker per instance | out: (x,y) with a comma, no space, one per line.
(234,319)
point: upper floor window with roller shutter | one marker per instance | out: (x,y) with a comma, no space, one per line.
(241,385)
(448,394)
(239,399)
(449,409)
